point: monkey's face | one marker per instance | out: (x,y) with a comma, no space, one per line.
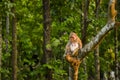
(72,38)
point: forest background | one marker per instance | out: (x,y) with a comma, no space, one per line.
(28,53)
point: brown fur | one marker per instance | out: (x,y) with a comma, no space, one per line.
(75,63)
(67,49)
(70,56)
(112,12)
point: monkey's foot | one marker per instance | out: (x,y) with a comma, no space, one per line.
(76,63)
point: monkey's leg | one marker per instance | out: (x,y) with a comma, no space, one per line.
(76,67)
(75,64)
(70,59)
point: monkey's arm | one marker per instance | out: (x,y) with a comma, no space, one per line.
(67,49)
(75,52)
(80,43)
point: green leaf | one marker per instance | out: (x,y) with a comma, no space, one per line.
(55,42)
(48,47)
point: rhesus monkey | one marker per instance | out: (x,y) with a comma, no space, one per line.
(71,51)
(73,44)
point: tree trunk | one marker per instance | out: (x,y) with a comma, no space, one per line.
(46,38)
(96,51)
(85,22)
(70,73)
(14,45)
(116,53)
(0,45)
(97,64)
(7,32)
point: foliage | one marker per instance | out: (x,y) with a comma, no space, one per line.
(66,17)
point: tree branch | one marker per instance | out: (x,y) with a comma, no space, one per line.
(75,62)
(104,31)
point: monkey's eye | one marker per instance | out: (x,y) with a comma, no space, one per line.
(71,37)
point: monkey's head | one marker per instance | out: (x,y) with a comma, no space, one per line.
(73,37)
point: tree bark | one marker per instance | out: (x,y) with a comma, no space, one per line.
(96,51)
(14,44)
(46,38)
(85,21)
(85,24)
(102,33)
(0,45)
(97,64)
(96,40)
(70,73)
(116,53)
(7,32)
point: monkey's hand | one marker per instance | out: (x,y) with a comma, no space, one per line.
(75,52)
(65,54)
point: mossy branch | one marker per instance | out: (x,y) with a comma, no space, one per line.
(104,31)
